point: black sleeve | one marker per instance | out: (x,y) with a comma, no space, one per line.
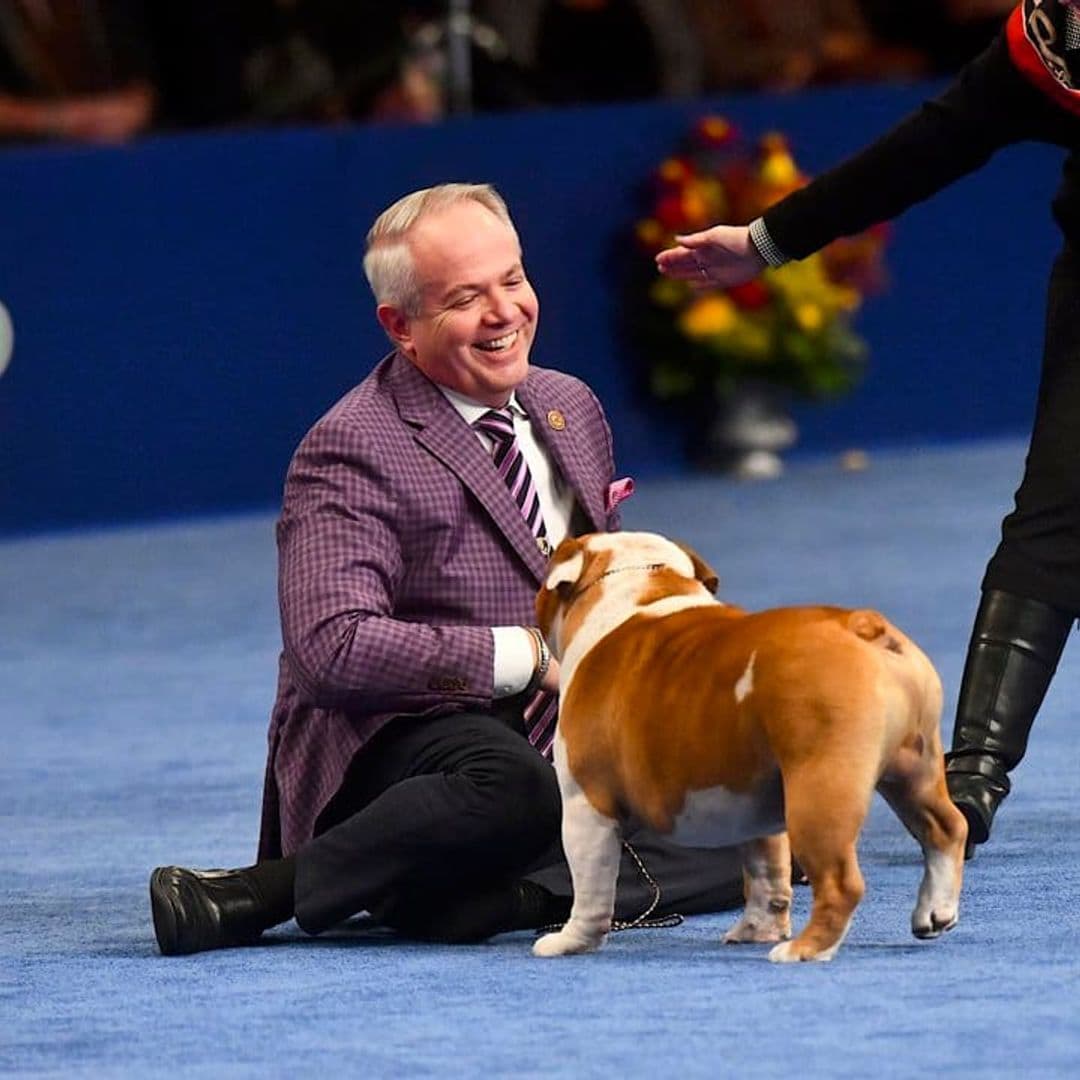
(990,105)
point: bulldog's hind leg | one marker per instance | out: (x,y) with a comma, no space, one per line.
(825,805)
(921,801)
(767,884)
(592,843)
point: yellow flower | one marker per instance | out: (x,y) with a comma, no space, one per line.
(703,201)
(667,292)
(752,341)
(805,284)
(778,169)
(708,316)
(650,234)
(809,316)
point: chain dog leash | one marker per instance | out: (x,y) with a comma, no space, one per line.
(639,922)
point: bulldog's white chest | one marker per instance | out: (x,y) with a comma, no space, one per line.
(717,817)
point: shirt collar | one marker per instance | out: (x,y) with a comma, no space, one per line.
(471,411)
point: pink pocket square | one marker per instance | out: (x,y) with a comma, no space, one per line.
(617,491)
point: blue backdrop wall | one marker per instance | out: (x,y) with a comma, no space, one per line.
(185,307)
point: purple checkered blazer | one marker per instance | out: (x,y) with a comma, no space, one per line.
(399,546)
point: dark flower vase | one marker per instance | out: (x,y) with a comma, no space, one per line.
(749,428)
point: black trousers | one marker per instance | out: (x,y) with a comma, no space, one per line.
(1039,553)
(438,810)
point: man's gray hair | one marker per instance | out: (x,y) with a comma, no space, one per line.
(388,262)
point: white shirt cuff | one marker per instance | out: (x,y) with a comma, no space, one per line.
(515,659)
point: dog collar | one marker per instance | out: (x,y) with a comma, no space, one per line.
(614,570)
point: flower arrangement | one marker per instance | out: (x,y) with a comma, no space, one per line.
(790,326)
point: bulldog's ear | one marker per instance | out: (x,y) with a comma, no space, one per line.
(702,570)
(565,567)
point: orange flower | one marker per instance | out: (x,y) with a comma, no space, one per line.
(773,142)
(675,170)
(651,235)
(715,131)
(708,315)
(695,209)
(703,202)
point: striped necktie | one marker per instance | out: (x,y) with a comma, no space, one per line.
(510,463)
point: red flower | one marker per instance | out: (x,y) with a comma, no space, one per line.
(750,296)
(671,213)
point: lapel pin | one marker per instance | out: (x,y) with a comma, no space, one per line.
(544,544)
(556,420)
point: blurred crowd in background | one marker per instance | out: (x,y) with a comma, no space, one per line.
(110,70)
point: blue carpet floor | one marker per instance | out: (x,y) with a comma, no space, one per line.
(137,667)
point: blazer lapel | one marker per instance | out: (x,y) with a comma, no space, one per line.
(441,429)
(564,445)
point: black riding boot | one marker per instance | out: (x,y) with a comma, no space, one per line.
(1014,651)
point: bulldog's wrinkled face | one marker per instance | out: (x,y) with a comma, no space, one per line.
(631,569)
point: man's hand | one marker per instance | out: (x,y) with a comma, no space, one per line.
(550,681)
(721,256)
(114,116)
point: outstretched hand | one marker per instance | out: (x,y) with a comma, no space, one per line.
(721,256)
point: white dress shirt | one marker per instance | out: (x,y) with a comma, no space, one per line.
(514,656)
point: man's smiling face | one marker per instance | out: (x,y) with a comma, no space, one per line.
(478,312)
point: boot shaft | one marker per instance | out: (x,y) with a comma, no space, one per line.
(1014,651)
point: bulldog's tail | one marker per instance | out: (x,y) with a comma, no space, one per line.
(910,666)
(874,628)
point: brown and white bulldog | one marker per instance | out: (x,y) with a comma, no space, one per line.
(719,726)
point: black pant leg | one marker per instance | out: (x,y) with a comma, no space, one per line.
(442,805)
(1039,554)
(683,880)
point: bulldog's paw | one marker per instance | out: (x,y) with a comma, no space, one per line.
(563,944)
(789,952)
(927,925)
(757,931)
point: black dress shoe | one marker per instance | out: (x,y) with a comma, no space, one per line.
(196,910)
